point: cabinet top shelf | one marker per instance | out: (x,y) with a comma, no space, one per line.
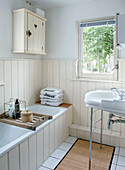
(26,10)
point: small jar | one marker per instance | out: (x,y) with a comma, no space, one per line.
(27,116)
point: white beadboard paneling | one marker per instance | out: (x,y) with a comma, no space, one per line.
(40,148)
(83,111)
(39,78)
(1,87)
(32,82)
(1,72)
(4,162)
(63,73)
(21,80)
(64,129)
(14,79)
(69,76)
(46,142)
(57,135)
(76,103)
(56,73)
(44,74)
(24,155)
(32,152)
(61,129)
(52,137)
(69,116)
(27,81)
(1,99)
(7,79)
(36,80)
(14,159)
(50,73)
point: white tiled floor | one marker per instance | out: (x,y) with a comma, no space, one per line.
(70,140)
(58,155)
(118,162)
(51,163)
(65,146)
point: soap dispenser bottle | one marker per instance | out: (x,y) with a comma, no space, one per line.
(11,111)
(17,109)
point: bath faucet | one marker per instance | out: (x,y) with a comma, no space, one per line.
(121,93)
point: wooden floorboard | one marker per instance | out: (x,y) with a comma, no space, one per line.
(78,157)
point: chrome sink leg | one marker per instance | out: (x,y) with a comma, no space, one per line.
(101,129)
(90,149)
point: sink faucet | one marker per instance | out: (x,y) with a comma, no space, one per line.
(121,93)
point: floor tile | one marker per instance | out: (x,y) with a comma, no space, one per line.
(51,163)
(115,159)
(65,146)
(121,160)
(59,154)
(116,150)
(43,168)
(120,167)
(71,139)
(122,151)
(113,167)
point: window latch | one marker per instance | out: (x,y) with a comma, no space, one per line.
(115,68)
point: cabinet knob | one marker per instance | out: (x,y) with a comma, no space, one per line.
(35,25)
(28,33)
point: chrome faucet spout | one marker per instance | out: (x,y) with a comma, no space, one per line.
(121,94)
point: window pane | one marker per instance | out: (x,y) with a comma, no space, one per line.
(98,49)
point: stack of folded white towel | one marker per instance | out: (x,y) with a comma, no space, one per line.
(52,96)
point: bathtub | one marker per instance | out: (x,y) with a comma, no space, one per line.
(38,144)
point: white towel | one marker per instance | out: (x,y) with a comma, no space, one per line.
(52,104)
(51,91)
(54,97)
(51,100)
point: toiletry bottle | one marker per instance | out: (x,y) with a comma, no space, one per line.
(17,109)
(11,111)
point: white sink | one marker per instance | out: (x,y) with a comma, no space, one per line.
(105,100)
(94,98)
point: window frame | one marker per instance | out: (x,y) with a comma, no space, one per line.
(100,76)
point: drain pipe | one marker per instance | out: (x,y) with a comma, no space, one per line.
(111,122)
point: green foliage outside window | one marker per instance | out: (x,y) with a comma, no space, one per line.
(98,49)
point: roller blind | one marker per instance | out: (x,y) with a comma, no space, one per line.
(97,23)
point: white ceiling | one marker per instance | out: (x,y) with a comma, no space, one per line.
(44,4)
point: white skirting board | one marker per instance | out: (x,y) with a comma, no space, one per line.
(109,137)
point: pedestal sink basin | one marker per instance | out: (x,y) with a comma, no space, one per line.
(105,100)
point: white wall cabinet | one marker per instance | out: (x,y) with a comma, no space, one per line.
(120,28)
(28,32)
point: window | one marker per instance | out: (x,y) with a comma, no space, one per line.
(96,48)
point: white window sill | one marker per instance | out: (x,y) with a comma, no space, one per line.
(101,81)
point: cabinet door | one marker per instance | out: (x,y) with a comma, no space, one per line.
(120,21)
(30,33)
(37,35)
